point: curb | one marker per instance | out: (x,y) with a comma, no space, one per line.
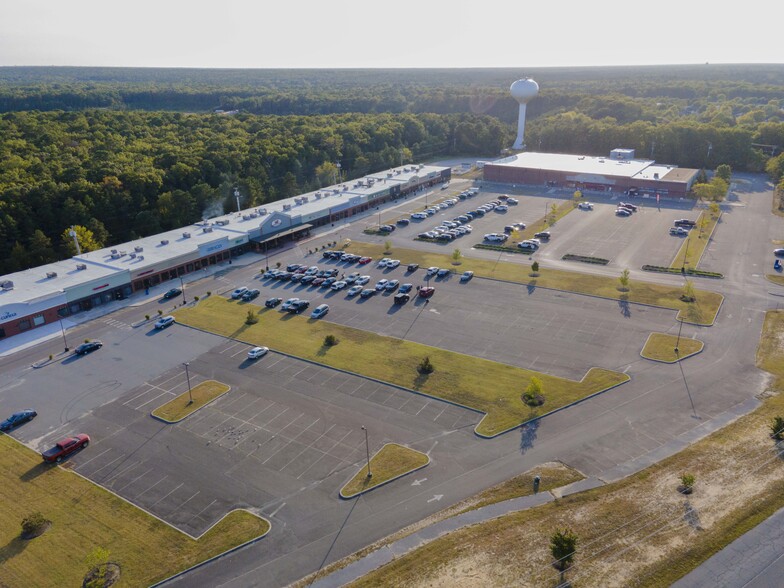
(168,422)
(384,483)
(701,349)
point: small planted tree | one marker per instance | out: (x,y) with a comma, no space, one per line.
(100,572)
(330,341)
(34,525)
(687,484)
(535,268)
(533,393)
(623,280)
(425,366)
(146,317)
(777,428)
(688,292)
(563,544)
(387,246)
(160,312)
(714,209)
(252,318)
(457,256)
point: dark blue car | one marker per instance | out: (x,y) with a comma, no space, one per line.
(16,419)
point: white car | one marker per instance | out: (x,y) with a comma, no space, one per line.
(362,280)
(419,215)
(585,206)
(319,311)
(512,201)
(257,352)
(339,285)
(383,262)
(467,275)
(354,290)
(289,303)
(164,322)
(501,208)
(238,292)
(381,284)
(431,271)
(393,263)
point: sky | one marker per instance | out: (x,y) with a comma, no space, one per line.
(398,33)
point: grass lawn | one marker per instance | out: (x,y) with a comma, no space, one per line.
(180,407)
(701,312)
(694,245)
(85,516)
(661,347)
(392,461)
(639,531)
(458,378)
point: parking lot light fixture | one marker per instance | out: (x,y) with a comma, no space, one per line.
(367,451)
(182,287)
(65,342)
(188,377)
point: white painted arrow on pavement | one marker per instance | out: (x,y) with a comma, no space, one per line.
(436,497)
(418,482)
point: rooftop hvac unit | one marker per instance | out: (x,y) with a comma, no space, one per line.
(116,255)
(262,211)
(186,235)
(304,200)
(335,190)
(254,215)
(164,241)
(7,285)
(138,249)
(390,174)
(318,196)
(141,257)
(114,251)
(132,255)
(81,266)
(51,274)
(207,229)
(287,207)
(345,188)
(656,175)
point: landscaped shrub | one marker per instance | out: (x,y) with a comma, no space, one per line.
(330,340)
(33,524)
(425,366)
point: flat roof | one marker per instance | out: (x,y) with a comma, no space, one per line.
(579,164)
(32,284)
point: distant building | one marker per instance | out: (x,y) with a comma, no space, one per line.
(618,173)
(45,294)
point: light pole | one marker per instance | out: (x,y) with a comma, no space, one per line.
(187,375)
(685,255)
(266,257)
(182,287)
(678,340)
(367,451)
(65,343)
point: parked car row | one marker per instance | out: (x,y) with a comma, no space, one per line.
(625,209)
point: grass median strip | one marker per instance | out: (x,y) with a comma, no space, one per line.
(85,516)
(483,385)
(640,531)
(694,245)
(190,401)
(392,461)
(701,312)
(661,347)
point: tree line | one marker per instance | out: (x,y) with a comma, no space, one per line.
(122,175)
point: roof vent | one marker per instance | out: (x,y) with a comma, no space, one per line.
(655,175)
(132,255)
(186,235)
(164,241)
(51,274)
(114,251)
(7,285)
(138,249)
(116,254)
(81,266)
(318,195)
(207,229)
(140,258)
(262,211)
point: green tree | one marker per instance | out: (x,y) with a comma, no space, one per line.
(687,483)
(87,240)
(724,172)
(533,392)
(326,174)
(457,255)
(387,246)
(714,209)
(251,318)
(33,523)
(624,280)
(425,366)
(40,249)
(553,212)
(535,267)
(689,294)
(563,544)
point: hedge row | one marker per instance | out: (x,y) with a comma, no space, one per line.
(688,272)
(502,248)
(585,259)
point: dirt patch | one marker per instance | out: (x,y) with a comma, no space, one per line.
(102,576)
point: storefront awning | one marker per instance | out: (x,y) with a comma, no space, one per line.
(285,233)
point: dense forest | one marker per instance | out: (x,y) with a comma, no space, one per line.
(128,152)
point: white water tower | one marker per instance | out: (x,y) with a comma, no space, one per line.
(523,91)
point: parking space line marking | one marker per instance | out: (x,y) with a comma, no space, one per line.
(340,459)
(162,497)
(151,399)
(132,481)
(187,501)
(290,441)
(81,465)
(306,447)
(439,414)
(151,487)
(202,510)
(423,407)
(231,347)
(120,473)
(277,415)
(139,395)
(108,464)
(240,352)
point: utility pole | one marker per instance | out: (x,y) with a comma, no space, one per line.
(187,375)
(367,451)
(182,287)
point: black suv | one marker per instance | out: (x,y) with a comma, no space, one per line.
(402,298)
(403,222)
(299,306)
(273,302)
(543,236)
(684,222)
(250,295)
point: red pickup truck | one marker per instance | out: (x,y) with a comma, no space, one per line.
(65,447)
